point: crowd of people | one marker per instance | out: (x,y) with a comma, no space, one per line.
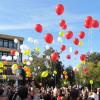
(31,92)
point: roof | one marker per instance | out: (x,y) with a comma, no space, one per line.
(11,37)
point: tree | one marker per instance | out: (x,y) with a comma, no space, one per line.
(71,75)
(90,70)
(46,64)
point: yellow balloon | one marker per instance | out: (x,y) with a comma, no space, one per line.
(27,52)
(28,74)
(25,61)
(78,66)
(44,74)
(66,77)
(1,64)
(5,68)
(91,82)
(1,71)
(61,34)
(83,62)
(14,67)
(4,76)
(55,72)
(13,71)
(81,43)
(65,82)
(37,49)
(64,72)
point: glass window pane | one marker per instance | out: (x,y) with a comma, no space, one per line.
(11,44)
(4,53)
(1,42)
(5,43)
(0,55)
(15,46)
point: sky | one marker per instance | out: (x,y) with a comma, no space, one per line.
(18,17)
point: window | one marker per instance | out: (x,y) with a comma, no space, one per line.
(21,43)
(5,43)
(11,44)
(15,46)
(1,42)
(4,53)
(0,55)
(9,54)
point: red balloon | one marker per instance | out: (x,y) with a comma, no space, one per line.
(95,24)
(54,56)
(62,22)
(38,28)
(59,9)
(63,48)
(87,25)
(76,52)
(64,26)
(68,56)
(88,19)
(85,70)
(76,41)
(69,35)
(88,22)
(83,57)
(48,38)
(12,52)
(81,34)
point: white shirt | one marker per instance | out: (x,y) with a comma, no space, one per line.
(95,96)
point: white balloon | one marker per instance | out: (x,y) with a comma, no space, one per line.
(28,63)
(9,58)
(30,39)
(47,47)
(91,51)
(31,58)
(16,53)
(48,57)
(38,67)
(61,76)
(15,40)
(36,42)
(34,69)
(15,57)
(75,68)
(60,40)
(3,57)
(70,49)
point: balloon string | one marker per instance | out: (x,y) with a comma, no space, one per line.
(91,40)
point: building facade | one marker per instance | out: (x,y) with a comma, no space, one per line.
(6,45)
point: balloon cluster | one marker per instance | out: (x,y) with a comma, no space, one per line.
(91,23)
(49,38)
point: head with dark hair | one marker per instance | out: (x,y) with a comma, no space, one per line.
(95,90)
(1,91)
(22,92)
